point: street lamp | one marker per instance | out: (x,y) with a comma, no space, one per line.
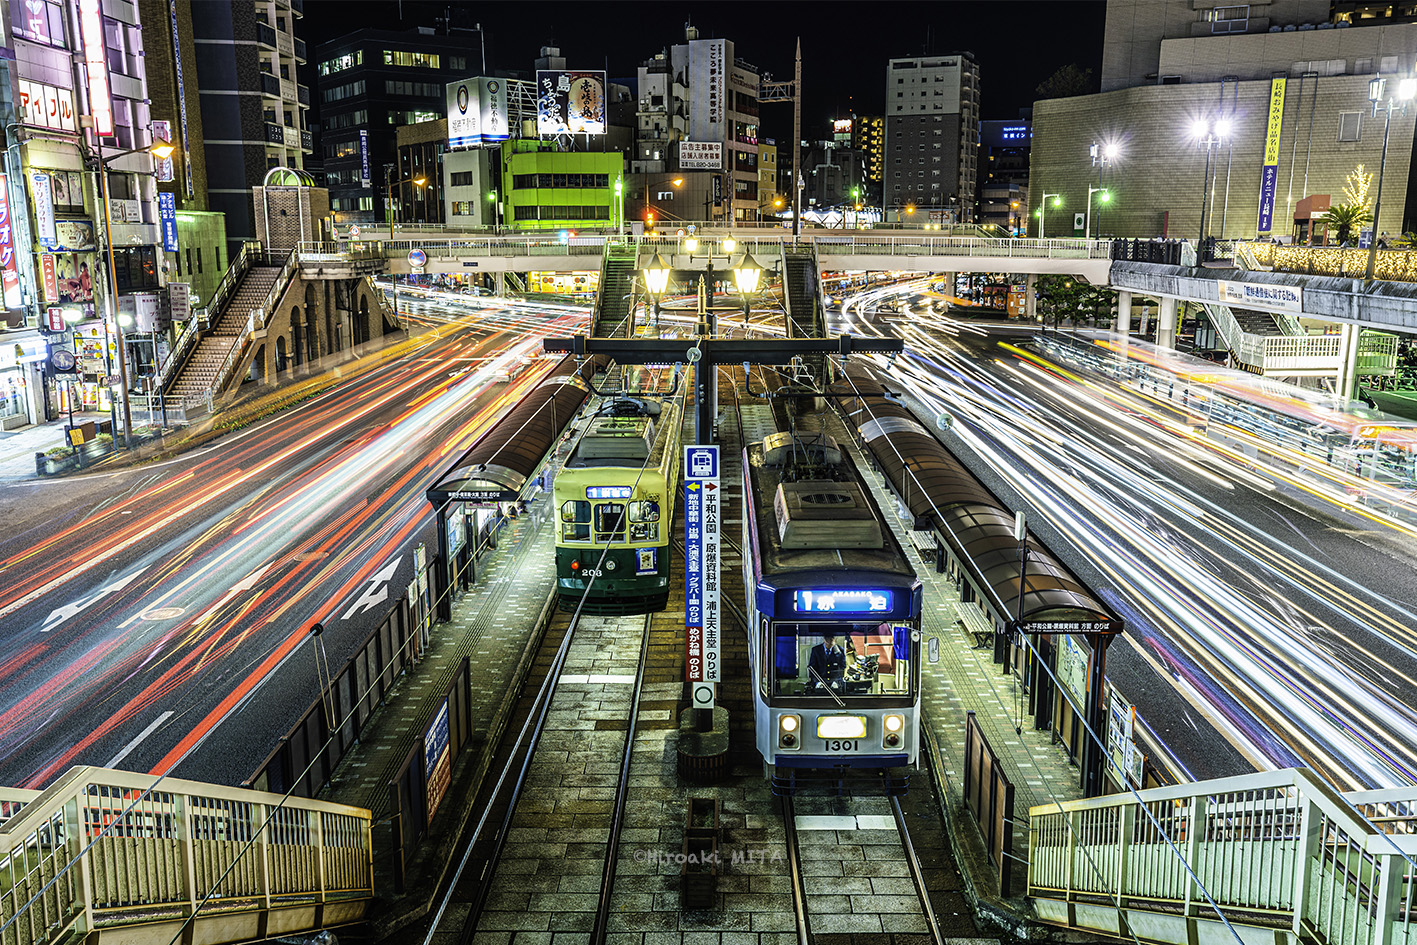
(620,203)
(496,209)
(657,279)
(161,150)
(746,275)
(1087,229)
(1212,138)
(1406,88)
(1043,209)
(389,194)
(1104,155)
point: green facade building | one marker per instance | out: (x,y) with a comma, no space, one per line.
(558,190)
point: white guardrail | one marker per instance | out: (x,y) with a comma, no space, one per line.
(100,850)
(1255,858)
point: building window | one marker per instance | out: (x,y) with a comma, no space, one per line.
(1234,19)
(41,21)
(135,267)
(415,60)
(340,63)
(1350,126)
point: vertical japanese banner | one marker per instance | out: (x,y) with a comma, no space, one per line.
(50,276)
(9,270)
(1269,177)
(701,579)
(712,661)
(364,158)
(167,215)
(44,209)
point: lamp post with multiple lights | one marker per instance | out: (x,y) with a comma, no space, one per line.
(1212,139)
(1377,88)
(1043,209)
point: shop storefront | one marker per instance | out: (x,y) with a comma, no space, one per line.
(21,380)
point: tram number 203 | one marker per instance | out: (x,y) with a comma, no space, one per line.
(589,573)
(841,744)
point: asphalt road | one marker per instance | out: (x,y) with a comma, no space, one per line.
(157,618)
(1268,625)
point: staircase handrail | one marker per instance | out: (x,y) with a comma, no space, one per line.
(1227,324)
(1288,323)
(255,322)
(313,852)
(197,327)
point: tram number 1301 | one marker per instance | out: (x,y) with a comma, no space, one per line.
(840,744)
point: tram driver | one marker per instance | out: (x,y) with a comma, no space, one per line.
(827,664)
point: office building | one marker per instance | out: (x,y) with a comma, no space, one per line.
(1187,93)
(370,82)
(176,107)
(253,107)
(932,134)
(697,100)
(1003,173)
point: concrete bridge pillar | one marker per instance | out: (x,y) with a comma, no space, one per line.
(1030,301)
(1348,360)
(1124,312)
(500,281)
(950,278)
(1166,324)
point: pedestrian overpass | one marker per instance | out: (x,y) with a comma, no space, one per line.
(105,856)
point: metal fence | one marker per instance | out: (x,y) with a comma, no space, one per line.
(990,798)
(1275,851)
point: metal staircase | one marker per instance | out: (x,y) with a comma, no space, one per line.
(209,352)
(1276,344)
(612,303)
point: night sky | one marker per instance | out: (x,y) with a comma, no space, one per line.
(1018,43)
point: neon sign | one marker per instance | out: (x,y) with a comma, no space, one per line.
(100,102)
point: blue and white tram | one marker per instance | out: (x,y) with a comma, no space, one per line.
(823,569)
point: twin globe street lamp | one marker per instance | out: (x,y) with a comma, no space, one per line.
(1406,89)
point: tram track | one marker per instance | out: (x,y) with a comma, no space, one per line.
(549,827)
(812,885)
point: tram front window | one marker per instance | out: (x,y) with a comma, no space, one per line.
(849,659)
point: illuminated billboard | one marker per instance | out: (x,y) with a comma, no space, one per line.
(477,113)
(570,102)
(701,155)
(100,102)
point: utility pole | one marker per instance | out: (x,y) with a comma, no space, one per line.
(797,141)
(791,92)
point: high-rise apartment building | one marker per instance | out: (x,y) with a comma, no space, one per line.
(370,82)
(1188,90)
(868,138)
(253,106)
(698,93)
(932,133)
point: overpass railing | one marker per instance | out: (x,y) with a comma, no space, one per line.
(1393,265)
(255,322)
(828,243)
(1249,858)
(101,851)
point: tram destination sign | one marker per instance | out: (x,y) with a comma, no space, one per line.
(701,558)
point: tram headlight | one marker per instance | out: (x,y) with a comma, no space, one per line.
(787,728)
(610,564)
(894,729)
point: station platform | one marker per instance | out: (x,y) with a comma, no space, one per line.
(494,624)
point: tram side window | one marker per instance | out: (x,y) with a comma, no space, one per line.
(610,521)
(644,521)
(575,520)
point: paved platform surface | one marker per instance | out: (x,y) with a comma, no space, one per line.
(492,623)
